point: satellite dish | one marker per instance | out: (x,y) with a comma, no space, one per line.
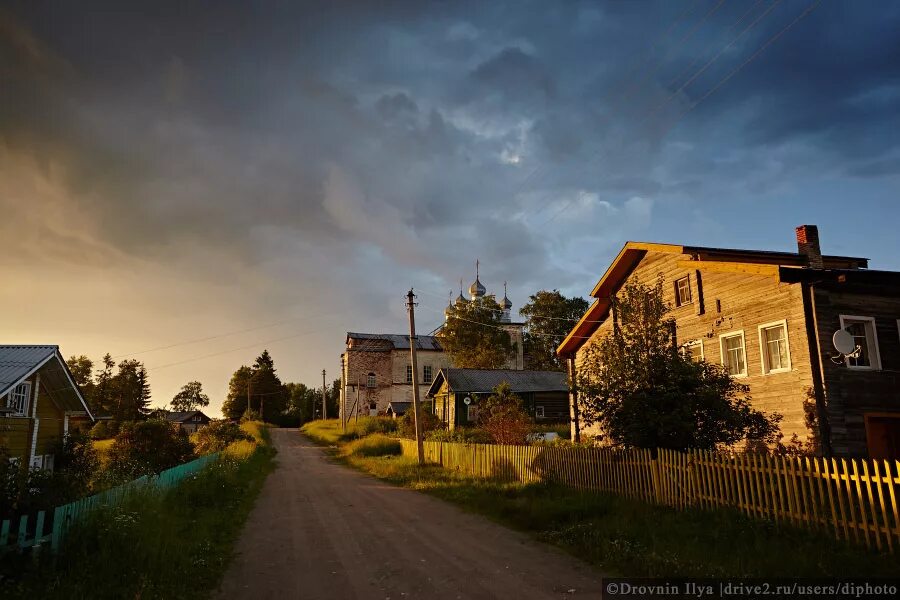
(844,342)
(467,400)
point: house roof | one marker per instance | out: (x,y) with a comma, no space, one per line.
(18,363)
(485,380)
(390,341)
(399,408)
(760,262)
(181,416)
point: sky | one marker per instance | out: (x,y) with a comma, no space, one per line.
(188,183)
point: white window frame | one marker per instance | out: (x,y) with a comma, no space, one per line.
(722,352)
(371,380)
(470,408)
(693,343)
(427,373)
(409,374)
(49,460)
(539,412)
(763,351)
(874,353)
(690,292)
(27,404)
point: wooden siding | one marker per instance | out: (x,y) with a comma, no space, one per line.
(747,300)
(851,394)
(16,432)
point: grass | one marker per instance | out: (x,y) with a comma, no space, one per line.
(376,444)
(630,538)
(329,432)
(158,544)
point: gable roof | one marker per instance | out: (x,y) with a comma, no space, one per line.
(391,341)
(399,408)
(755,261)
(19,362)
(184,415)
(485,380)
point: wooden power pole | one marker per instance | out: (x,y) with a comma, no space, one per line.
(324,407)
(410,305)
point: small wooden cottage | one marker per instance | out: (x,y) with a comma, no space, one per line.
(187,420)
(38,397)
(455,394)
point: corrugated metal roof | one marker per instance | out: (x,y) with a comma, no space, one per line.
(484,381)
(397,340)
(17,361)
(399,408)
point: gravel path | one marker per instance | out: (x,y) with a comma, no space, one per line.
(320,530)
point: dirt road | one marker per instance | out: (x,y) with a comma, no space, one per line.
(320,530)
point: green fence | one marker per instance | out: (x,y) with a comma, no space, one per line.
(30,532)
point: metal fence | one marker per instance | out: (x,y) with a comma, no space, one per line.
(852,499)
(36,530)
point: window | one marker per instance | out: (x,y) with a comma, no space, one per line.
(734,355)
(37,462)
(774,348)
(18,399)
(472,413)
(866,338)
(683,291)
(426,373)
(539,412)
(693,350)
(370,380)
(48,462)
(409,374)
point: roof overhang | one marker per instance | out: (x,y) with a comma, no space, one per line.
(58,384)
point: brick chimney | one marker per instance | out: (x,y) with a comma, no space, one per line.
(808,246)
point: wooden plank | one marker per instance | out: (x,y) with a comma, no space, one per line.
(826,471)
(23,529)
(39,528)
(871,504)
(4,533)
(781,480)
(891,485)
(883,508)
(851,504)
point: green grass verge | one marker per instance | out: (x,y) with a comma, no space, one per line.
(172,544)
(329,432)
(630,538)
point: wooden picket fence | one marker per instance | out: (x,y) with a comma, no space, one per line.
(33,531)
(854,500)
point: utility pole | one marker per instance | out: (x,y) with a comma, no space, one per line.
(410,305)
(356,420)
(324,408)
(342,396)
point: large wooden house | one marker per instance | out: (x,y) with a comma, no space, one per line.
(38,397)
(769,318)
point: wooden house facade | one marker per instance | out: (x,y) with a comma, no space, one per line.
(769,318)
(38,398)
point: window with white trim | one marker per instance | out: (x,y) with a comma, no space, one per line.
(48,462)
(539,412)
(683,291)
(19,399)
(774,348)
(734,353)
(693,350)
(865,337)
(370,380)
(409,374)
(427,374)
(472,412)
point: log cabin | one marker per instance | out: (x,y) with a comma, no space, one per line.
(38,397)
(769,318)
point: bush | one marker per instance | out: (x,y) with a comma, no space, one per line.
(147,447)
(407,426)
(503,416)
(464,435)
(369,425)
(376,444)
(217,436)
(100,431)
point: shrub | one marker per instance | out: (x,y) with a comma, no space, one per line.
(464,435)
(217,436)
(376,444)
(407,426)
(503,416)
(369,425)
(146,447)
(100,431)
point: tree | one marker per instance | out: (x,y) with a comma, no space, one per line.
(503,417)
(145,447)
(217,436)
(644,393)
(191,397)
(473,335)
(268,395)
(103,387)
(130,391)
(549,317)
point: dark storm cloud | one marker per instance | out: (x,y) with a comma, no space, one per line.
(360,128)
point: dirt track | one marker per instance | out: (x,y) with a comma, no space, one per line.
(320,530)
